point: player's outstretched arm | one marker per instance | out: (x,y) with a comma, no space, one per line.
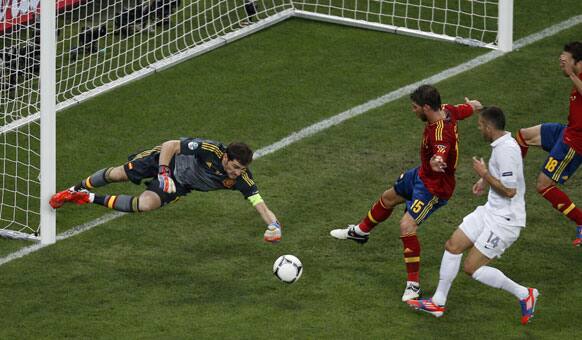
(466,109)
(273,232)
(475,104)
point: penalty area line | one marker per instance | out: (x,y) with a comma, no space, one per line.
(335,120)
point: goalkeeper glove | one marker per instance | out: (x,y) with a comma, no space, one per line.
(165,179)
(273,232)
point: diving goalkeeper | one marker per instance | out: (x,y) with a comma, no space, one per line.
(174,169)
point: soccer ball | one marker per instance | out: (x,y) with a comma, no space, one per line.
(287,268)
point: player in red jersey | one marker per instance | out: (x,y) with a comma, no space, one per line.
(563,142)
(424,189)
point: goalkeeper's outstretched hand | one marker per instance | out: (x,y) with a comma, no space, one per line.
(273,233)
(165,179)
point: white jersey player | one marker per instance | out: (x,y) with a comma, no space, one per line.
(491,228)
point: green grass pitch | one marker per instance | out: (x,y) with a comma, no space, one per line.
(199,268)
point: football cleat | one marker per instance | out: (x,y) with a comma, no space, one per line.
(426,305)
(412,291)
(578,240)
(69,195)
(349,233)
(528,305)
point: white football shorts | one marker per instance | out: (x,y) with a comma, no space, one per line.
(488,232)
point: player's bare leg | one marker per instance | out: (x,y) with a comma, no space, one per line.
(561,202)
(527,137)
(411,250)
(379,212)
(474,261)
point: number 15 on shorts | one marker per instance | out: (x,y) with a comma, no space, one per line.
(417,206)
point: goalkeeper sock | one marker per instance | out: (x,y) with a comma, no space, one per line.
(123,203)
(98,179)
(411,256)
(561,202)
(522,143)
(378,213)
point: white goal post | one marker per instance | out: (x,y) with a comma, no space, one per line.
(61,52)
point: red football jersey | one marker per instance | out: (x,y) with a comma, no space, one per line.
(573,133)
(441,138)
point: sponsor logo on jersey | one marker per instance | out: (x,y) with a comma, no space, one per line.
(192,145)
(508,173)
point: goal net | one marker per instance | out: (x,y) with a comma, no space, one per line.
(19,132)
(471,22)
(100,45)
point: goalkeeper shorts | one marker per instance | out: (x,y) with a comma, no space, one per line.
(144,165)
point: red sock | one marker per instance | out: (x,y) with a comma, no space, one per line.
(378,213)
(411,256)
(522,143)
(561,202)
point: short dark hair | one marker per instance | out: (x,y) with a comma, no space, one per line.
(495,116)
(574,48)
(240,152)
(427,95)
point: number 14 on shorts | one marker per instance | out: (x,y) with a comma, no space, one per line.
(492,241)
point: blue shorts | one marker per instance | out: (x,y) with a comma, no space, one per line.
(563,160)
(420,203)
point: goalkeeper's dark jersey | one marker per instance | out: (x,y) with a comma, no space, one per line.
(198,167)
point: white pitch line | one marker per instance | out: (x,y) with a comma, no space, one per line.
(71,232)
(337,119)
